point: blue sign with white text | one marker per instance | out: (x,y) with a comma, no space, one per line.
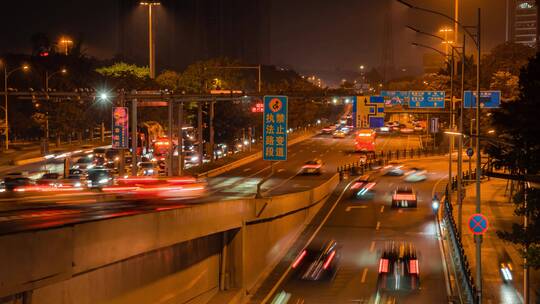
(395,97)
(427,99)
(275,128)
(488,99)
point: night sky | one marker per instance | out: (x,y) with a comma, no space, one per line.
(314,35)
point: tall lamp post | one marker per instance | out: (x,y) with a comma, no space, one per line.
(7,73)
(477,42)
(47,77)
(151,46)
(460,121)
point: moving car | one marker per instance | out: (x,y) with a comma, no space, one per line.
(312,167)
(404,198)
(317,263)
(398,268)
(50,179)
(16,179)
(338,134)
(506,272)
(147,169)
(327,130)
(98,177)
(415,175)
(84,163)
(363,189)
(393,169)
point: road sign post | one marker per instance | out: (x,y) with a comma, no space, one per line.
(275,122)
(478,224)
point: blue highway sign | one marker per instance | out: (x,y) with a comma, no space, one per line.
(427,99)
(395,97)
(488,99)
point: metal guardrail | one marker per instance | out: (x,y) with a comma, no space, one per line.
(463,270)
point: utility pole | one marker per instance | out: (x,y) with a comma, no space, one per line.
(151,45)
(180,139)
(460,139)
(169,139)
(478,164)
(211,126)
(133,137)
(451,138)
(200,133)
(526,248)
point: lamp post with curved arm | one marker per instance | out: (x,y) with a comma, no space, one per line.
(6,77)
(460,122)
(476,38)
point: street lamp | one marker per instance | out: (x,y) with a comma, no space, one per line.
(477,42)
(446,30)
(62,71)
(7,73)
(66,42)
(151,46)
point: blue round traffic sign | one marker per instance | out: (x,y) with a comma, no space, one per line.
(478,224)
(470,152)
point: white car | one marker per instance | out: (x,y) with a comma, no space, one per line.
(415,175)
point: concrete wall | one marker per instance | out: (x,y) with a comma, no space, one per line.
(176,274)
(173,256)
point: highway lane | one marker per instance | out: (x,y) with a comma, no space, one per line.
(27,212)
(362,229)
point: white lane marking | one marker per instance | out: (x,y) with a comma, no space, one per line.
(280,170)
(382,208)
(354,207)
(372,247)
(321,154)
(247,169)
(378,225)
(293,154)
(364,274)
(286,273)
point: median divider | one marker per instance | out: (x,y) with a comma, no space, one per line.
(247,159)
(28,161)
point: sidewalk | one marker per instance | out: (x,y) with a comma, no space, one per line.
(500,213)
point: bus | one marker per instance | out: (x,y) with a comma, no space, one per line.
(365,140)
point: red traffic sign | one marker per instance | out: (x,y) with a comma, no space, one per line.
(478,224)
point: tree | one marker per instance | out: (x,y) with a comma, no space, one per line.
(508,57)
(506,83)
(169,80)
(122,69)
(122,75)
(518,151)
(201,76)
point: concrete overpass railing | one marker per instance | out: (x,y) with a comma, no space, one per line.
(184,255)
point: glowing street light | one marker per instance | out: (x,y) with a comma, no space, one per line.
(66,42)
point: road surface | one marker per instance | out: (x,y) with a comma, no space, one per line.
(362,228)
